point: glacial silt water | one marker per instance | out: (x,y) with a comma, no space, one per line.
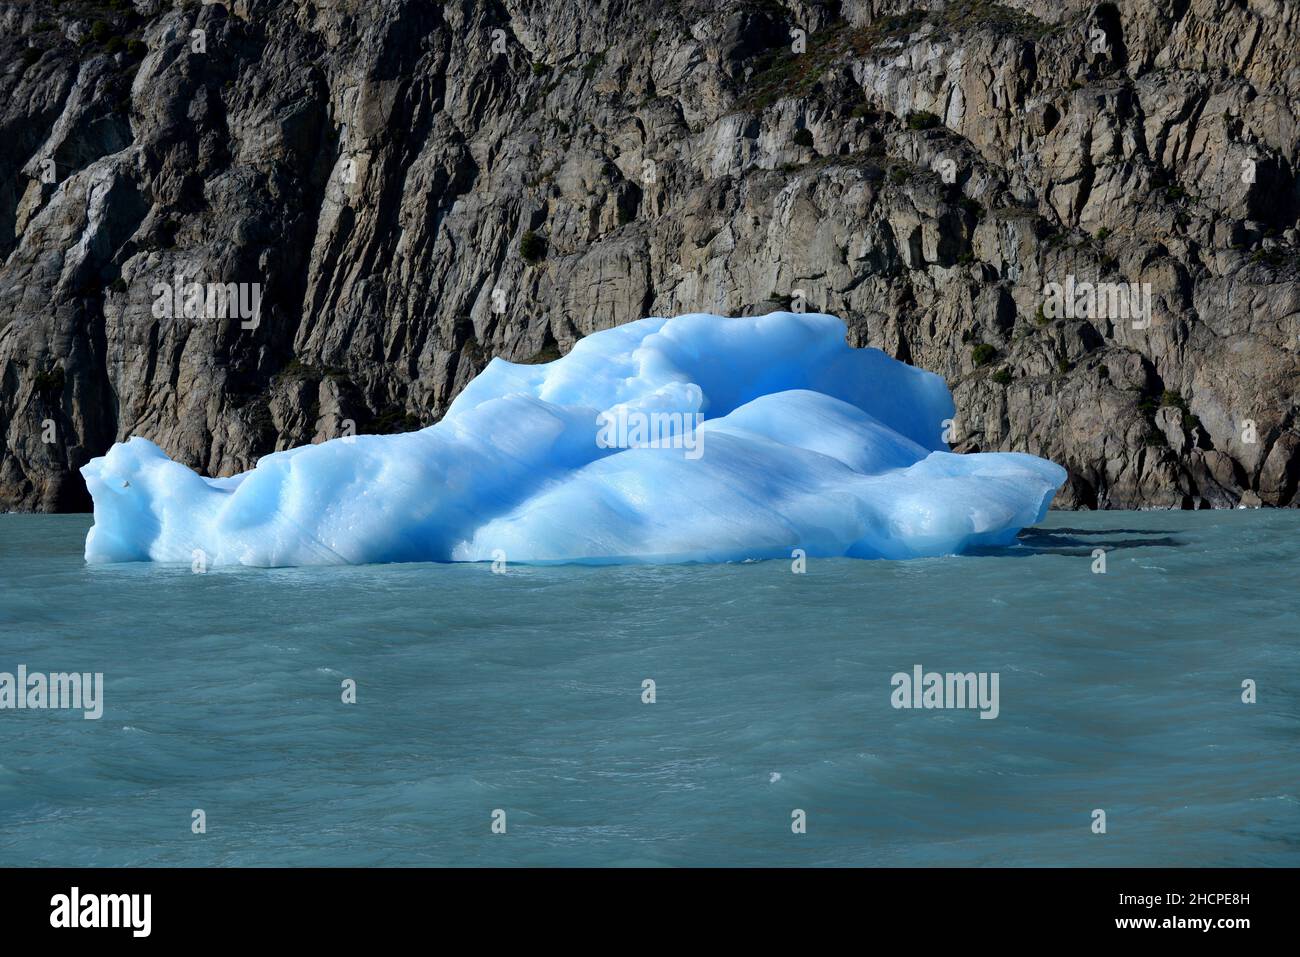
(523,692)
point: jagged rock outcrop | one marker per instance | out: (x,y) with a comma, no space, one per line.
(401,189)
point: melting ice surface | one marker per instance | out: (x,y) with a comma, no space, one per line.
(786,438)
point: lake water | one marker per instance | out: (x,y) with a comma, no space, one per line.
(523,692)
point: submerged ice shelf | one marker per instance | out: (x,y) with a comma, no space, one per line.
(696,438)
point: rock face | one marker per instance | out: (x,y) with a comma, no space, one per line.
(238,227)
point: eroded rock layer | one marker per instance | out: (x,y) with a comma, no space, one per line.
(407,188)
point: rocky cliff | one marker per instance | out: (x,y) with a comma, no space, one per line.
(372,198)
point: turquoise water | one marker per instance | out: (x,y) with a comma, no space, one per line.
(523,692)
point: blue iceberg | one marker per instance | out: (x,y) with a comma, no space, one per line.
(696,438)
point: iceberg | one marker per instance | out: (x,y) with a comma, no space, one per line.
(691,439)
